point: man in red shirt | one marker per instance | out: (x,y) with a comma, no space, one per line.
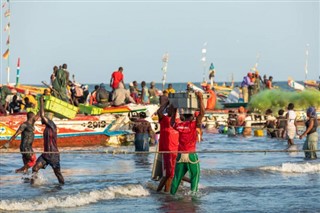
(169,141)
(116,78)
(187,159)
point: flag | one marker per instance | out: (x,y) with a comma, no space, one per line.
(8,40)
(7,27)
(7,13)
(6,54)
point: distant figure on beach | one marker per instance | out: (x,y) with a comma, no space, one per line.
(54,74)
(93,96)
(212,73)
(144,93)
(27,104)
(246,83)
(170,89)
(311,142)
(102,96)
(143,132)
(26,130)
(188,161)
(271,124)
(291,127)
(50,145)
(269,83)
(121,96)
(153,93)
(247,126)
(116,78)
(134,91)
(281,124)
(60,82)
(257,87)
(211,102)
(15,105)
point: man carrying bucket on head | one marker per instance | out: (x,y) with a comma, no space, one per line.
(187,159)
(169,141)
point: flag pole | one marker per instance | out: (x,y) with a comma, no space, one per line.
(18,72)
(306,64)
(8,62)
(204,59)
(165,59)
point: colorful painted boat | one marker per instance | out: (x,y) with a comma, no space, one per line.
(80,131)
(83,130)
(34,90)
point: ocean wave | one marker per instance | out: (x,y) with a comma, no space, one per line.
(80,199)
(294,168)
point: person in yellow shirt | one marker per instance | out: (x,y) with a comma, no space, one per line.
(31,98)
(170,89)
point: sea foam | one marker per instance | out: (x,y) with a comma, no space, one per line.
(80,199)
(294,168)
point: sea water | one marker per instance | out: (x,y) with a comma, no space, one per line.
(230,182)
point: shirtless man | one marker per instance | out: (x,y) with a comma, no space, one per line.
(26,130)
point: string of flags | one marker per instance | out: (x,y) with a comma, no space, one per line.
(6,7)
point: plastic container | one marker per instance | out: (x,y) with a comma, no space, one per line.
(258,133)
(61,109)
(187,100)
(89,109)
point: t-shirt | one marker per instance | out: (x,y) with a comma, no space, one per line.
(50,141)
(187,135)
(117,77)
(169,137)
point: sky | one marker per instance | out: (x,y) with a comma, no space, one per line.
(96,37)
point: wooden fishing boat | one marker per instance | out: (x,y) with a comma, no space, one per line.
(81,131)
(295,85)
(78,132)
(34,90)
(312,84)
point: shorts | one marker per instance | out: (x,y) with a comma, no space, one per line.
(29,159)
(54,161)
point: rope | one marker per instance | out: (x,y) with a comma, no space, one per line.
(124,152)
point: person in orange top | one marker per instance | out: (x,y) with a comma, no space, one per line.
(269,83)
(211,102)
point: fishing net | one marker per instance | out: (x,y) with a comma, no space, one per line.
(279,99)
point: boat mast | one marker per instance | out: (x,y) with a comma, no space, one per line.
(204,60)
(306,64)
(165,59)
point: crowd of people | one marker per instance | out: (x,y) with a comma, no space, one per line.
(178,134)
(252,83)
(284,126)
